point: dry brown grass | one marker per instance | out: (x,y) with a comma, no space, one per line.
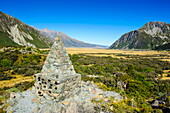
(165,78)
(113,52)
(17,80)
(117,51)
(165,74)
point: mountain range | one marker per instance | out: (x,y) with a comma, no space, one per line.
(68,41)
(13,32)
(152,35)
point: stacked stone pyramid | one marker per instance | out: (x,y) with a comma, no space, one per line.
(57,80)
(59,89)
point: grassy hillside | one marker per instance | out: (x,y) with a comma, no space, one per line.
(13,32)
(5,40)
(163,47)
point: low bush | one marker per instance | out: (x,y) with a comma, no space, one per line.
(5,76)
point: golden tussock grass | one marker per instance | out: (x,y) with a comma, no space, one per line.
(165,74)
(116,51)
(12,82)
(113,52)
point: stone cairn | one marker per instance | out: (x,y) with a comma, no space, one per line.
(59,89)
(57,80)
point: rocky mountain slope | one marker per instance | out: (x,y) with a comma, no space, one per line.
(150,36)
(13,32)
(68,41)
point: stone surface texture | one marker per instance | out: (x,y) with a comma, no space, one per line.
(57,80)
(27,102)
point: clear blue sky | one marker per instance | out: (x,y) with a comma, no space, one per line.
(94,21)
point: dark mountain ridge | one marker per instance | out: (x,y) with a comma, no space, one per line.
(150,36)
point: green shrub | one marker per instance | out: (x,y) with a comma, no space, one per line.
(28,48)
(29,72)
(13,90)
(24,85)
(5,76)
(21,71)
(5,63)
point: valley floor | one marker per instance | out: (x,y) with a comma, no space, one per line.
(118,53)
(106,67)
